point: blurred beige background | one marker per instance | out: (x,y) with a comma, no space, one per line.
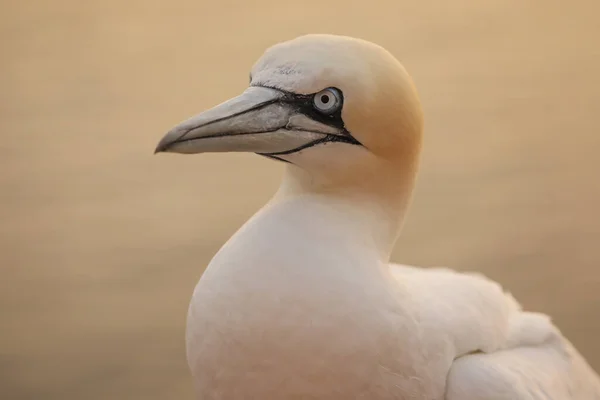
(101,242)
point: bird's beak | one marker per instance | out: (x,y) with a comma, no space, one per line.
(260,120)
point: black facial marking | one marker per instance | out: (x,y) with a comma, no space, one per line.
(303,103)
(326,139)
(272,157)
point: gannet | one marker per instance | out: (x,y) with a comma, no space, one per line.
(303,302)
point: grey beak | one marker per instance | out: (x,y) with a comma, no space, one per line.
(260,120)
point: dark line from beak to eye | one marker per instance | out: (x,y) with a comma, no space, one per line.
(332,137)
(302,104)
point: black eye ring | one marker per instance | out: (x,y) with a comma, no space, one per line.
(328,101)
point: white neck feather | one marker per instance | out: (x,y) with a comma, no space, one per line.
(370,206)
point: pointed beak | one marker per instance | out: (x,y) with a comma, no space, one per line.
(260,120)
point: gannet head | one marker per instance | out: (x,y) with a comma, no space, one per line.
(327,104)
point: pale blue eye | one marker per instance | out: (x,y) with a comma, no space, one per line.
(327,101)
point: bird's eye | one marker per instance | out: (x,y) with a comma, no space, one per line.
(328,101)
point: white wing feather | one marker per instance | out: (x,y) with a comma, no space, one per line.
(501,352)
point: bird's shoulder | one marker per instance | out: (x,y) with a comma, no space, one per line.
(474,311)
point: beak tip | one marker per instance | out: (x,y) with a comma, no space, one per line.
(163,145)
